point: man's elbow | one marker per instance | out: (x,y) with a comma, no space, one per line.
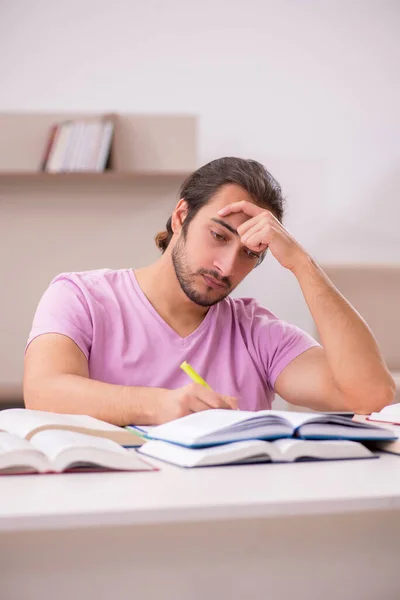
(374,398)
(35,397)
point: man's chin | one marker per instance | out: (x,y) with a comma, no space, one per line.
(208,299)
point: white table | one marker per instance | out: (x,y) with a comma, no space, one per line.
(308,530)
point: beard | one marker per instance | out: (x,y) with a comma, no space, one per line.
(186,278)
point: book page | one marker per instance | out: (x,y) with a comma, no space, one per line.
(10,442)
(388,414)
(23,421)
(202,423)
(53,442)
(293,449)
(66,449)
(235,452)
(19,456)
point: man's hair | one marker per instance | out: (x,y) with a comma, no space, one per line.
(201,186)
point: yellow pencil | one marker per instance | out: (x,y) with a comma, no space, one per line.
(193,375)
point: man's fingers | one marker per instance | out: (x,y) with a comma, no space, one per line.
(231,401)
(197,405)
(248,208)
(213,399)
(247,225)
(258,228)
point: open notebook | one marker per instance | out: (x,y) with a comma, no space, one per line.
(250,451)
(218,426)
(54,451)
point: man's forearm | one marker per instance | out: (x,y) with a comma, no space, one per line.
(354,358)
(74,394)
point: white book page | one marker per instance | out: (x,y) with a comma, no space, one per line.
(215,455)
(10,442)
(16,454)
(390,413)
(296,418)
(201,423)
(334,449)
(22,421)
(65,448)
(54,442)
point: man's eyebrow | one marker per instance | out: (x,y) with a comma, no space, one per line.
(226,225)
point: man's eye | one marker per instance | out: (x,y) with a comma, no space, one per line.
(251,254)
(218,236)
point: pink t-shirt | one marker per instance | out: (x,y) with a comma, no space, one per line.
(239,348)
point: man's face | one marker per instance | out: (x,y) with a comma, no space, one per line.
(209,259)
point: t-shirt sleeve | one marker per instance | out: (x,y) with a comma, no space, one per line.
(63,309)
(278,342)
(287,341)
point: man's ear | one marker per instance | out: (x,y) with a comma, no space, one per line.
(179,215)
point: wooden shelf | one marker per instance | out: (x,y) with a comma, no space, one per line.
(143,144)
(33,176)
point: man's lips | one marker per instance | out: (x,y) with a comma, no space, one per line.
(210,281)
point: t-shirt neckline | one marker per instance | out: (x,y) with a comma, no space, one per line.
(172,333)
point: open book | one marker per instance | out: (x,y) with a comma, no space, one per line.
(219,426)
(250,451)
(388,414)
(392,426)
(25,423)
(57,451)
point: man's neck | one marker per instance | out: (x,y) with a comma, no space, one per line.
(161,287)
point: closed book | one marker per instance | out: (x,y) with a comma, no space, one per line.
(59,148)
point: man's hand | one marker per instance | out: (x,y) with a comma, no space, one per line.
(191,398)
(263,230)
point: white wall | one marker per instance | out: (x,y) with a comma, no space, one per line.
(311,88)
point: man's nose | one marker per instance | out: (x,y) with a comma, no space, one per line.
(225,263)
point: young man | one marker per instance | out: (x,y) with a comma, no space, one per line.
(109,343)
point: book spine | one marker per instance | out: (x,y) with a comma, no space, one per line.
(105,146)
(49,143)
(55,161)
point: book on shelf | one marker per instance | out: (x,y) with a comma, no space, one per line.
(389,419)
(78,146)
(219,426)
(56,451)
(25,423)
(253,451)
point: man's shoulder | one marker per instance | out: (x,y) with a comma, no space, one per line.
(94,280)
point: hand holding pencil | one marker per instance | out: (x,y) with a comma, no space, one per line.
(194,397)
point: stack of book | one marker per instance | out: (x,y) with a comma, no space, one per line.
(388,418)
(81,146)
(33,441)
(217,437)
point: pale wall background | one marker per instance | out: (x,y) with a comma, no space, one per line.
(310,88)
